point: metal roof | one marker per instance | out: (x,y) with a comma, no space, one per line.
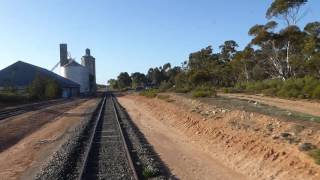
(22,74)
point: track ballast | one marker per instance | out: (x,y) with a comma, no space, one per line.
(108,156)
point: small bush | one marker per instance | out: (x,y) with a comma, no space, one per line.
(43,88)
(150,93)
(203,91)
(182,90)
(316,92)
(231,90)
(164,86)
(52,89)
(307,87)
(149,172)
(315,154)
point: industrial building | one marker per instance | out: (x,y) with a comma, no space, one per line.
(84,74)
(76,79)
(21,74)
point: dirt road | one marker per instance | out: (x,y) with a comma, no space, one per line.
(302,106)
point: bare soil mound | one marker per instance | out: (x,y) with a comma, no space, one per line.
(255,145)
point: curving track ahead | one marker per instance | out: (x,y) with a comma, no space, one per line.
(107,156)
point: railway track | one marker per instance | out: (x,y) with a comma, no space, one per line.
(107,155)
(27,108)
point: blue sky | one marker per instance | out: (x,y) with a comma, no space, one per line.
(126,35)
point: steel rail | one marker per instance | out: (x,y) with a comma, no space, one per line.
(124,141)
(87,152)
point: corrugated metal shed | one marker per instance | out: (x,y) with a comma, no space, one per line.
(21,74)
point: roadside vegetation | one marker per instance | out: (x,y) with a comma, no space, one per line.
(203,91)
(43,88)
(315,154)
(282,59)
(305,88)
(150,93)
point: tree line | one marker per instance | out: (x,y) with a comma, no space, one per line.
(276,59)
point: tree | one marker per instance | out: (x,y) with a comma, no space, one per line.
(200,59)
(172,73)
(243,64)
(270,46)
(228,50)
(289,10)
(156,76)
(37,87)
(124,80)
(52,89)
(138,79)
(44,88)
(312,40)
(113,84)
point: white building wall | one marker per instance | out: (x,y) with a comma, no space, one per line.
(78,74)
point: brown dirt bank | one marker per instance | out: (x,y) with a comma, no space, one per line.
(227,142)
(302,106)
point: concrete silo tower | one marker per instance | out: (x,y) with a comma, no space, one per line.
(63,54)
(89,62)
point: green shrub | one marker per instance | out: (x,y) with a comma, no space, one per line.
(315,154)
(240,86)
(306,87)
(311,84)
(270,91)
(291,88)
(150,93)
(182,89)
(149,172)
(316,92)
(52,89)
(203,91)
(43,88)
(164,86)
(231,90)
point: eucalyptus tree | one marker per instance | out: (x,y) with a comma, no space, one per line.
(138,79)
(124,80)
(228,50)
(288,10)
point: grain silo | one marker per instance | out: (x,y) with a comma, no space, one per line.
(72,70)
(88,61)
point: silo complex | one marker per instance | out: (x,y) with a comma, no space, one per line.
(88,61)
(78,74)
(83,74)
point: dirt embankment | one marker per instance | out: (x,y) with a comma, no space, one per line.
(195,139)
(24,159)
(302,106)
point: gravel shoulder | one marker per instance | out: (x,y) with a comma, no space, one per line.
(24,159)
